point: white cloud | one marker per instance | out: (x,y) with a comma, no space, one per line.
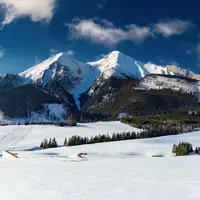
(70,53)
(104,32)
(172,27)
(1,53)
(36,10)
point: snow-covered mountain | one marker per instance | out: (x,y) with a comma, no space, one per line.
(114,64)
(77,77)
(75,87)
(119,65)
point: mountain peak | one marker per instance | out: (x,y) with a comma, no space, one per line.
(118,55)
(119,65)
(36,72)
(114,53)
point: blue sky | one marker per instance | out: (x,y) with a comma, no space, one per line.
(162,32)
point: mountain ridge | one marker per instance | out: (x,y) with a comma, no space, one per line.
(113,64)
(78,88)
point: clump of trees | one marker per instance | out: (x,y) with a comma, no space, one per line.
(62,124)
(182,149)
(45,144)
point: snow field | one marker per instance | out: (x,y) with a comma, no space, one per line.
(114,171)
(27,137)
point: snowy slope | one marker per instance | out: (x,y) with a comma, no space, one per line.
(36,73)
(113,171)
(119,65)
(50,113)
(28,137)
(76,77)
(161,82)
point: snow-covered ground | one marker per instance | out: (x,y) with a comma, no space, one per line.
(160,82)
(24,137)
(112,171)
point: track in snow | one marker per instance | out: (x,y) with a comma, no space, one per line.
(6,135)
(22,138)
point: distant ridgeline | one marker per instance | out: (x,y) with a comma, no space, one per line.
(114,86)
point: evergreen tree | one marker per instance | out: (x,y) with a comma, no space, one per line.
(45,143)
(174,148)
(196,150)
(114,137)
(42,145)
(65,142)
(54,143)
(91,140)
(50,144)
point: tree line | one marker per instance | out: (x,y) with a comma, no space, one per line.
(78,140)
(62,124)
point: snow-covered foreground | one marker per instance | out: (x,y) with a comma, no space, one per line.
(27,137)
(112,171)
